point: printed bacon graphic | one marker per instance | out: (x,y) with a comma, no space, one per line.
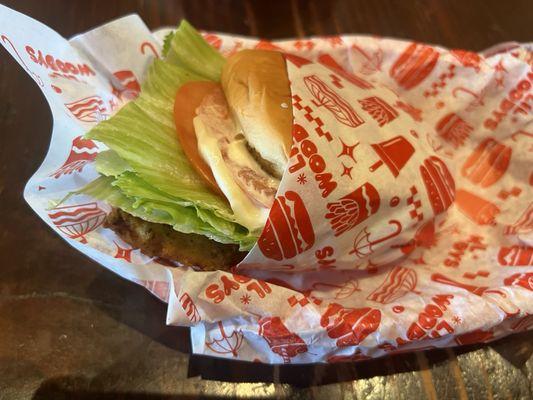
(399,282)
(352,209)
(82,152)
(516,256)
(453,129)
(325,96)
(414,65)
(487,164)
(88,109)
(350,326)
(379,110)
(78,220)
(281,341)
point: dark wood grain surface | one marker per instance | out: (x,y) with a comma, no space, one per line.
(71,329)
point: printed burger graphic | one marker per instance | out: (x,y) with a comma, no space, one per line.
(414,65)
(288,230)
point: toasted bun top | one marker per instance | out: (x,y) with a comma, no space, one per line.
(256,86)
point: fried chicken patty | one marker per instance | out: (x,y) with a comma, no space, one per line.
(161,240)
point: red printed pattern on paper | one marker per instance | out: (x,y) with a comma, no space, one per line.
(398,283)
(283,342)
(350,326)
(487,163)
(352,209)
(82,152)
(217,292)
(379,110)
(414,65)
(334,103)
(288,230)
(76,221)
(304,149)
(430,322)
(88,109)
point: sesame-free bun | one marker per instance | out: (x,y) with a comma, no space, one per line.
(257,89)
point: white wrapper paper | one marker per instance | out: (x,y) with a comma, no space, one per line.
(366,252)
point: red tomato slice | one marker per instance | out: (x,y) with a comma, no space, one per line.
(188,98)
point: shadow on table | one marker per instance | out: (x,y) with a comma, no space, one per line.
(146,314)
(69,387)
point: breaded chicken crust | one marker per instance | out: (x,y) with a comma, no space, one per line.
(161,240)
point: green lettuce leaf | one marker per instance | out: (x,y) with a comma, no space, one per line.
(183,219)
(146,172)
(108,163)
(188,49)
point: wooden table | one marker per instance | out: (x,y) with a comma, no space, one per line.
(71,329)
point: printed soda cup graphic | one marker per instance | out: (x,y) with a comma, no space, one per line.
(524,280)
(440,186)
(453,129)
(129,86)
(487,164)
(479,210)
(352,209)
(516,256)
(288,230)
(281,341)
(325,96)
(82,152)
(350,326)
(78,220)
(414,65)
(394,153)
(399,282)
